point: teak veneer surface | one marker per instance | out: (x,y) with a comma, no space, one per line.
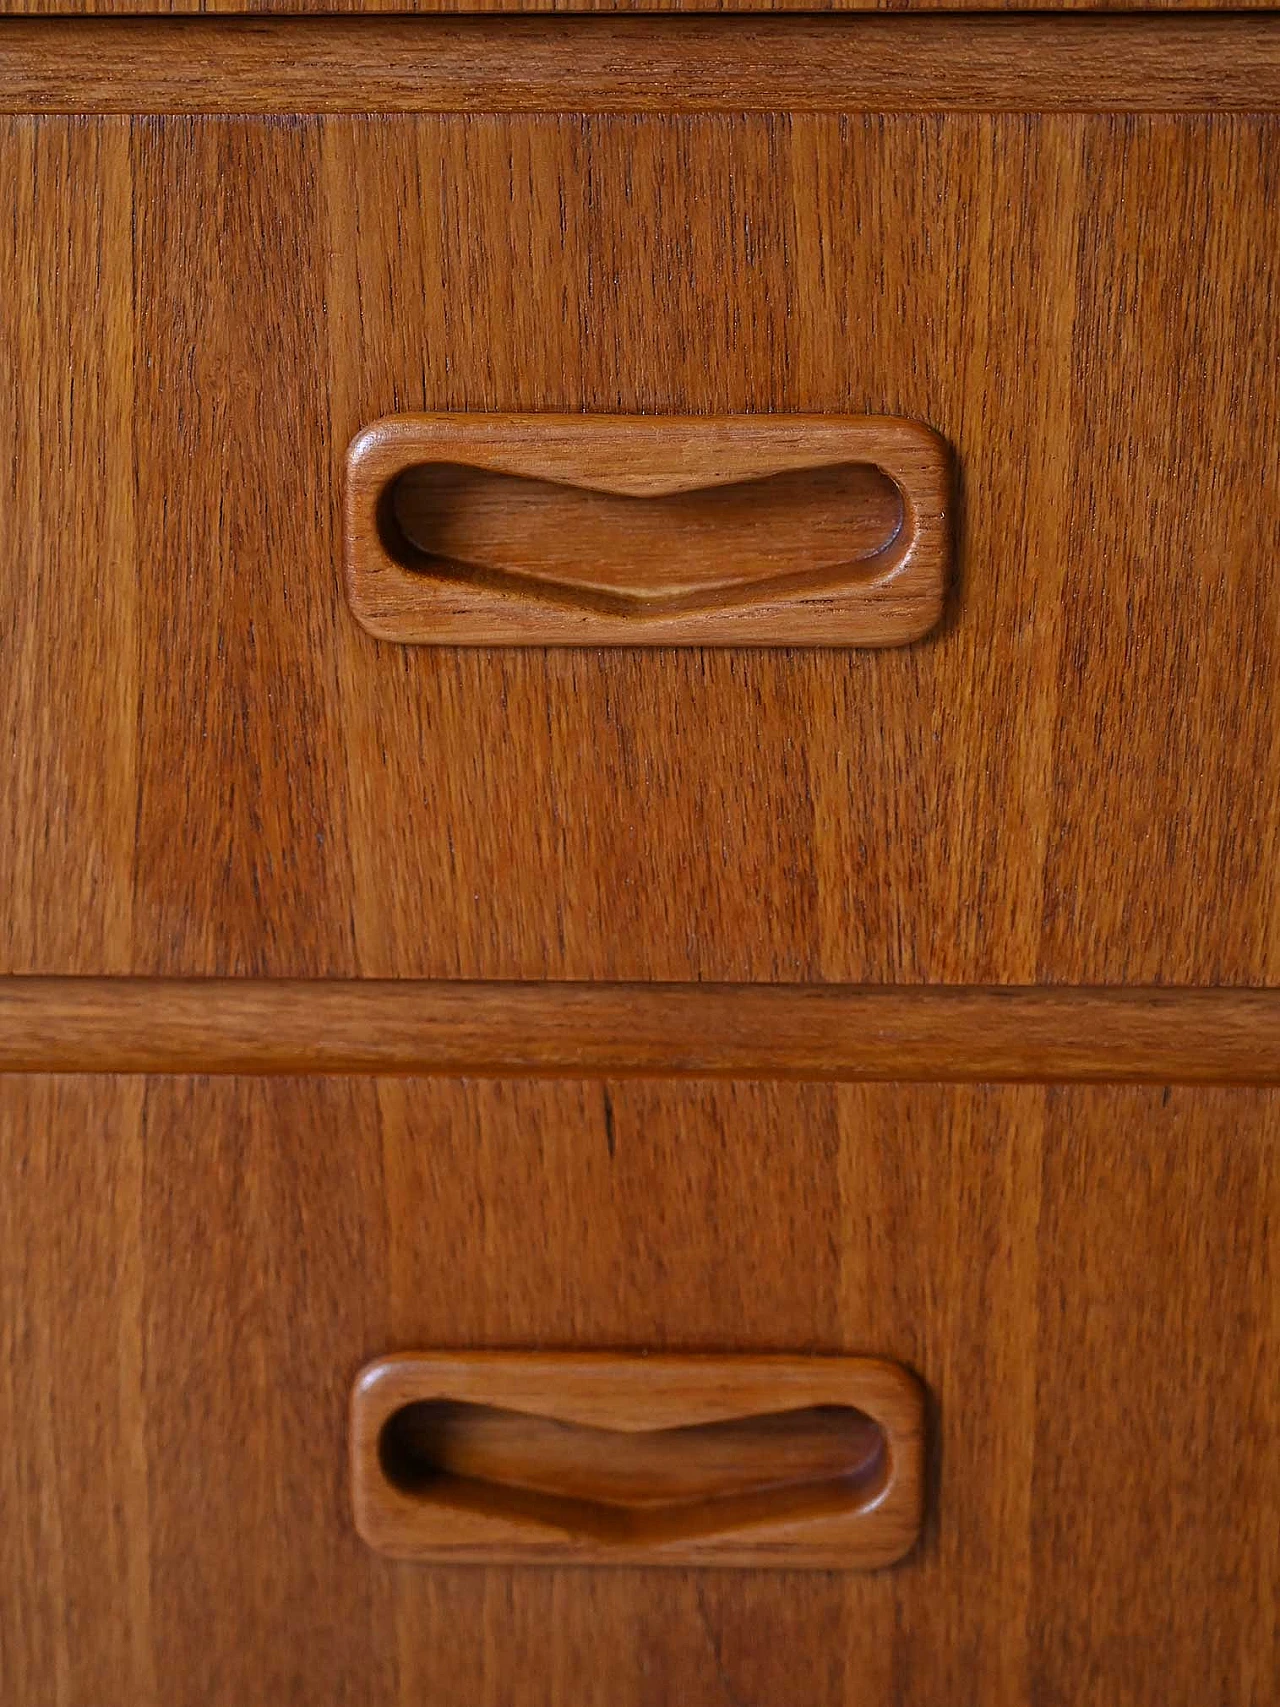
(214,770)
(1087,1279)
(210,769)
(265,8)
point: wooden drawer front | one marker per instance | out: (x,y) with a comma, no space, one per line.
(215,770)
(195,1270)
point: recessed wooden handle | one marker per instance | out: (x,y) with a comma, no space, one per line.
(561,530)
(758,1460)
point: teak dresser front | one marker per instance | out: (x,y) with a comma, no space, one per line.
(639,785)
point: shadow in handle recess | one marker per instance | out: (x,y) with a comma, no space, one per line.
(651,1486)
(752,539)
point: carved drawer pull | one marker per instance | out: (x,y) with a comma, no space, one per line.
(621,530)
(669,1460)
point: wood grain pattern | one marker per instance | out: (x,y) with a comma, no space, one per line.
(1074,780)
(612,1459)
(67,497)
(194,1271)
(756,1031)
(266,8)
(616,65)
(209,769)
(748,572)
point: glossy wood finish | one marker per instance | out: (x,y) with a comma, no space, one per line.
(669,531)
(618,65)
(1075,781)
(265,8)
(210,769)
(756,1031)
(195,1272)
(800,1463)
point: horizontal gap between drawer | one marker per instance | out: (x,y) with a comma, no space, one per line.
(804,63)
(1046,1034)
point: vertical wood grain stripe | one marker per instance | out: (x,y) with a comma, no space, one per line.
(750,1031)
(1007,63)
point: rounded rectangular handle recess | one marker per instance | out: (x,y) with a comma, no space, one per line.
(645,530)
(607,1458)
